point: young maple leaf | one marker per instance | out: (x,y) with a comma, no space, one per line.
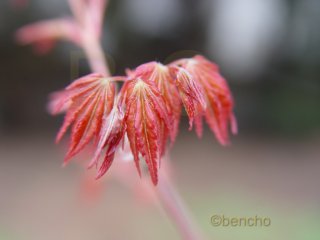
(161,77)
(219,112)
(86,102)
(111,134)
(177,86)
(146,113)
(190,93)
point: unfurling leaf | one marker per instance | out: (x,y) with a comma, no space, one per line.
(146,113)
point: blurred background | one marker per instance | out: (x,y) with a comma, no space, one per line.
(269,51)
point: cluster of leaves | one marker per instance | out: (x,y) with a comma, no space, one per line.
(146,111)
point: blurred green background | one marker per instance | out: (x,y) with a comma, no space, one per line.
(269,51)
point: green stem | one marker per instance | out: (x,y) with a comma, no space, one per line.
(176,210)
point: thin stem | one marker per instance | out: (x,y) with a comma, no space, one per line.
(89,16)
(93,49)
(176,210)
(119,79)
(78,9)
